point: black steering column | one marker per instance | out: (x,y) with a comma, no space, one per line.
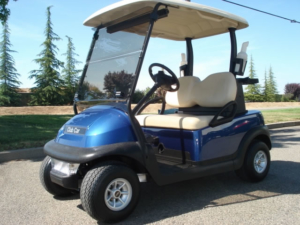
(160,80)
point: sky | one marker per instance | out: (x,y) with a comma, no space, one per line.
(273,43)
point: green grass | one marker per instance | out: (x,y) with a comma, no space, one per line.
(17,132)
(281,115)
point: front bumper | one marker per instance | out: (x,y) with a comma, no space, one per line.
(81,155)
(64,180)
(64,174)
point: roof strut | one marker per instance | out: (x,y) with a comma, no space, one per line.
(190,58)
(233,49)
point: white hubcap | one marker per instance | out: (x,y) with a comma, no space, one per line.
(118,194)
(260,162)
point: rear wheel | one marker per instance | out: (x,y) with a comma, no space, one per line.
(45,179)
(109,193)
(256,163)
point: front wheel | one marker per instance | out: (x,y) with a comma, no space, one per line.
(109,193)
(256,163)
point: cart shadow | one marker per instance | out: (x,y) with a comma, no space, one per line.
(158,203)
(75,196)
(280,140)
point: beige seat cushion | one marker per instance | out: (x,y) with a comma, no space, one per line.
(216,90)
(183,97)
(175,121)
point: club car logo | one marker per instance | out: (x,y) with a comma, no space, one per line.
(75,130)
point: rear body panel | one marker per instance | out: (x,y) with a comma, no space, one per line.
(208,143)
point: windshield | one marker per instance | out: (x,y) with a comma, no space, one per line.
(113,63)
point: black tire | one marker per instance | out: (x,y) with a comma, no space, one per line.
(45,179)
(248,172)
(93,189)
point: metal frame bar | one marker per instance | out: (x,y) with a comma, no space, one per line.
(136,128)
(88,58)
(233,49)
(190,57)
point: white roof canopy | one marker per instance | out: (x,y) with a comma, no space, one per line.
(185,19)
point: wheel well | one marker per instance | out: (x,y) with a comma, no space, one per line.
(265,139)
(130,162)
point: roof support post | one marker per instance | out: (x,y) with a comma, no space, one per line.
(95,38)
(233,49)
(136,127)
(190,57)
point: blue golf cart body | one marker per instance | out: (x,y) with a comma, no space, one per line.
(207,130)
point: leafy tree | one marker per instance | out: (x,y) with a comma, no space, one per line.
(118,81)
(253,89)
(4,12)
(293,89)
(272,86)
(47,77)
(146,91)
(254,98)
(8,74)
(137,96)
(89,92)
(69,73)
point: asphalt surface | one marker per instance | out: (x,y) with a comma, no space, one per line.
(221,199)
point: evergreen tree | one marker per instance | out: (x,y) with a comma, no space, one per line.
(47,77)
(253,89)
(69,73)
(272,85)
(266,89)
(8,74)
(4,12)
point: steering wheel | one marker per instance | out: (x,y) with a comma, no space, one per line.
(163,80)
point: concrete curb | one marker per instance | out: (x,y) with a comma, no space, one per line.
(283,124)
(30,153)
(33,153)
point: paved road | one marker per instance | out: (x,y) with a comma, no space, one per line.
(221,199)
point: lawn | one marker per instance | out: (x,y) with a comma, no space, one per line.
(281,115)
(27,131)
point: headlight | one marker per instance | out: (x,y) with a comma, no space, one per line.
(64,167)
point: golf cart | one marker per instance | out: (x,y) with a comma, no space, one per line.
(111,146)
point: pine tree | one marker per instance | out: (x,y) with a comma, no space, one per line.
(69,73)
(47,77)
(272,85)
(253,89)
(266,89)
(4,11)
(8,74)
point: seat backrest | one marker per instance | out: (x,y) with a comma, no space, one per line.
(183,97)
(215,90)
